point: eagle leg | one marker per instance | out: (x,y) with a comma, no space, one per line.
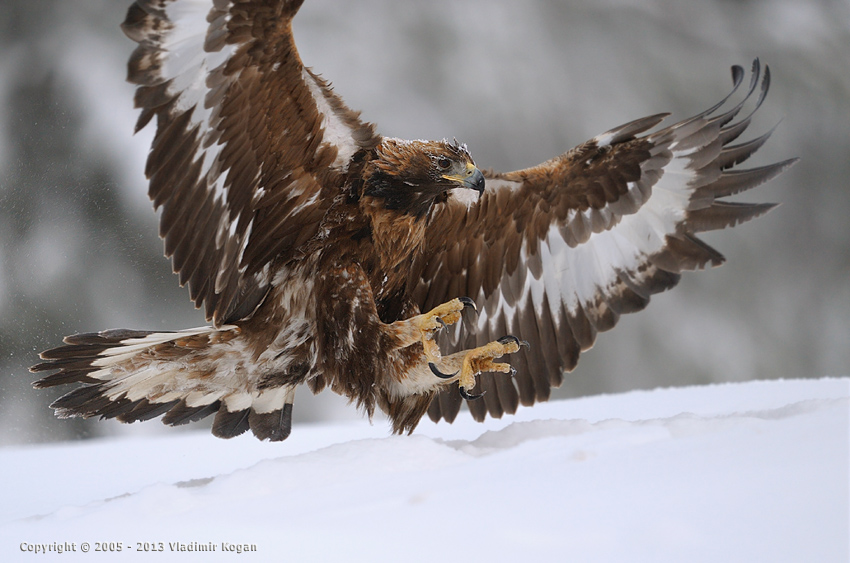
(469,363)
(426,325)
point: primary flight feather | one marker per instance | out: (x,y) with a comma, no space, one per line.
(326,254)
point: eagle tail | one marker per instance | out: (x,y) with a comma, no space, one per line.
(184,375)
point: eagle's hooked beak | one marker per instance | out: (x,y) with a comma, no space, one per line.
(471,178)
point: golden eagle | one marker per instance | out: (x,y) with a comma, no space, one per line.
(326,254)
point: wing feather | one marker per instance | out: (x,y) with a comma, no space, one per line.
(250,146)
(554,254)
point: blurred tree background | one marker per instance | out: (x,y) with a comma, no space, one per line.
(519,81)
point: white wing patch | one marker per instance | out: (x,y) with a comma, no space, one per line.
(186,61)
(610,244)
(336,132)
(584,271)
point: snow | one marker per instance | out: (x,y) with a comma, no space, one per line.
(753,471)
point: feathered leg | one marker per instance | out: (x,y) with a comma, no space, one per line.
(461,366)
(422,328)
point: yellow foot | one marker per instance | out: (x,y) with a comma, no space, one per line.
(480,360)
(439,317)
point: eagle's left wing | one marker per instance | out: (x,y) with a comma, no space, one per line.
(556,253)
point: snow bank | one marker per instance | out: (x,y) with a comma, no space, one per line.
(738,472)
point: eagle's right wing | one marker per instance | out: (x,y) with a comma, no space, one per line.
(250,149)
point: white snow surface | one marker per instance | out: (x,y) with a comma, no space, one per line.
(753,471)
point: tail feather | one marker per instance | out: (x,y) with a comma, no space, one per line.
(274,426)
(183,376)
(145,410)
(184,414)
(228,424)
(85,401)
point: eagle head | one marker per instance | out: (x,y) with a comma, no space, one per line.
(409,176)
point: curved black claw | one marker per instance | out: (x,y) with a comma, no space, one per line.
(468,303)
(440,374)
(442,323)
(470,396)
(514,339)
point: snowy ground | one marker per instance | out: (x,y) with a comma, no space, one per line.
(739,472)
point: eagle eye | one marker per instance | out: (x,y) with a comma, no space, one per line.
(444,163)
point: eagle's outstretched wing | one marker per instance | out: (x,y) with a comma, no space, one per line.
(556,253)
(250,146)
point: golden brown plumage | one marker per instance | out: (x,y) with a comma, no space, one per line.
(328,255)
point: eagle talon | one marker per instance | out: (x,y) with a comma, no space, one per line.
(510,339)
(470,396)
(468,303)
(440,374)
